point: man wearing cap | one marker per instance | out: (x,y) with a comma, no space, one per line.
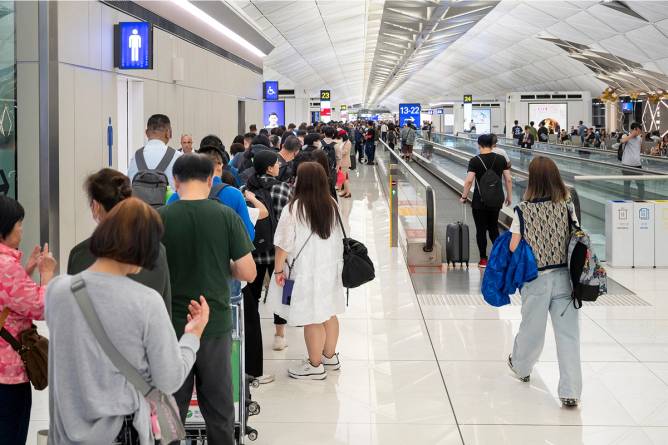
(275,195)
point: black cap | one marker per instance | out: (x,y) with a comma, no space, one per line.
(264,159)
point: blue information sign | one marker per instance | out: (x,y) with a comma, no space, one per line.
(134,46)
(439,111)
(409,112)
(271,90)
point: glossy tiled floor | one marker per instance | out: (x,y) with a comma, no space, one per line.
(436,375)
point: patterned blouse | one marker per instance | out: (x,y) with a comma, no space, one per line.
(25,299)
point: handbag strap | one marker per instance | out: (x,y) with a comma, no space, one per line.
(338,217)
(78,287)
(294,260)
(4,333)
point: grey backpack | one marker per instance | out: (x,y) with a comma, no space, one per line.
(150,184)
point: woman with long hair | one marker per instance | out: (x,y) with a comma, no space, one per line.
(307,289)
(544,219)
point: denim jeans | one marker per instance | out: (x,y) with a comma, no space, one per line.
(550,293)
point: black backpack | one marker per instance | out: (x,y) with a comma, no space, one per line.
(620,151)
(265,228)
(490,187)
(331,157)
(150,184)
(517,131)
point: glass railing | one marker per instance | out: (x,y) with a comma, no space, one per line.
(415,200)
(594,184)
(654,164)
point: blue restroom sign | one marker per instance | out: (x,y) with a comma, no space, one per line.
(133,46)
(410,112)
(271,90)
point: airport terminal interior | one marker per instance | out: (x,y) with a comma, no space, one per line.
(359,215)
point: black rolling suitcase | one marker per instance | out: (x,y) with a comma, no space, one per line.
(353,161)
(457,242)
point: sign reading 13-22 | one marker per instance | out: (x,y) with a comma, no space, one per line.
(410,112)
(133,46)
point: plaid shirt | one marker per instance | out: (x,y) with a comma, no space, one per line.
(280,197)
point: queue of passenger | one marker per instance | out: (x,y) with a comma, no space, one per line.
(159,279)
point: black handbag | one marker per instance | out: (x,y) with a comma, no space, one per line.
(358,268)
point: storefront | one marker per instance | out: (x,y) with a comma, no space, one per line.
(7,100)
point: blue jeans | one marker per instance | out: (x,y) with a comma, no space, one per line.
(550,293)
(15,404)
(370,150)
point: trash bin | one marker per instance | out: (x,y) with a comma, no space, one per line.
(619,233)
(661,233)
(643,234)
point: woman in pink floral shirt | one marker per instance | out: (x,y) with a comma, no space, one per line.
(25,299)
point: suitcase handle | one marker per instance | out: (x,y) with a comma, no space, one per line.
(464,212)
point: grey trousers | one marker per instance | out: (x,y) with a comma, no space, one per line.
(212,375)
(550,292)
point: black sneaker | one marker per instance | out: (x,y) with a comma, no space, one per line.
(520,378)
(570,403)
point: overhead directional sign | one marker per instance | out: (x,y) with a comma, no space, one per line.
(439,111)
(410,112)
(468,98)
(325,95)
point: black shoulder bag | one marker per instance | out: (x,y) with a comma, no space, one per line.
(357,266)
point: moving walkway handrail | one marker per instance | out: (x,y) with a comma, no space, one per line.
(430,198)
(640,171)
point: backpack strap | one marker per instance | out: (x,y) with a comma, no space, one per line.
(482,162)
(166,160)
(140,160)
(520,215)
(216,189)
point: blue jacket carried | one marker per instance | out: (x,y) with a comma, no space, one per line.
(507,271)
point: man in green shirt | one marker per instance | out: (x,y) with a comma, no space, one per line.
(207,244)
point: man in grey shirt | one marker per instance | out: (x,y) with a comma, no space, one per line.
(631,158)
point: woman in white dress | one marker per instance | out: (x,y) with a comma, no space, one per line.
(309,260)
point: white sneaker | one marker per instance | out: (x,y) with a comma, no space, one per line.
(266,378)
(306,371)
(332,363)
(280,343)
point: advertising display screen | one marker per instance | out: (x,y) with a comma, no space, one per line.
(627,107)
(482,117)
(270,90)
(325,111)
(552,115)
(273,113)
(133,46)
(409,112)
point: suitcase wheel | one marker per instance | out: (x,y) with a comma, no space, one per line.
(253,409)
(252,433)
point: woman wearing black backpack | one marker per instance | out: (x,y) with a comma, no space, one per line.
(486,171)
(544,219)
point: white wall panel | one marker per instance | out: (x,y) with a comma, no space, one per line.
(67,160)
(205,102)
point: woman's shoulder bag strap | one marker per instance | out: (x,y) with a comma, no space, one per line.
(78,287)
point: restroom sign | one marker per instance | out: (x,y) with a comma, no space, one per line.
(133,46)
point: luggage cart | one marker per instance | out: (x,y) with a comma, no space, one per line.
(241,383)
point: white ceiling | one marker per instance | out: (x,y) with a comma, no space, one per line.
(319,44)
(331,44)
